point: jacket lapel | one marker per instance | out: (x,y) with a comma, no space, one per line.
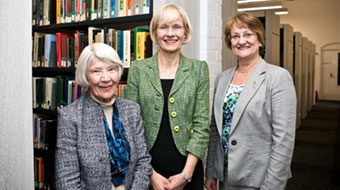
(181,74)
(251,86)
(153,74)
(93,115)
(124,115)
(221,88)
(92,109)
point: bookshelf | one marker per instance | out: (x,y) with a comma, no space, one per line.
(45,113)
(126,22)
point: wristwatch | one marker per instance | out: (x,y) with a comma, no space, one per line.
(187,178)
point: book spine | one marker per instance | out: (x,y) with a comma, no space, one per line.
(58,49)
(113,8)
(99,9)
(126,48)
(122,8)
(130,6)
(105,9)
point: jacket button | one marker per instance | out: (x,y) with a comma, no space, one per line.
(233,142)
(173,114)
(172,100)
(176,128)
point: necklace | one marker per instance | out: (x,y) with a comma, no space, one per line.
(247,67)
(168,72)
(168,65)
(244,73)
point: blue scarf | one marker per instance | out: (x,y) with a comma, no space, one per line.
(119,148)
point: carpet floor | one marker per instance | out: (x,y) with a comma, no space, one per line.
(316,159)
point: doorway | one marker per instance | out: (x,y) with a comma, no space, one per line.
(330,72)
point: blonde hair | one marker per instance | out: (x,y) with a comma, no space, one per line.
(92,53)
(165,13)
(244,19)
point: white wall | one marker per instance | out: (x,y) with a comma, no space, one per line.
(16,141)
(229,9)
(318,20)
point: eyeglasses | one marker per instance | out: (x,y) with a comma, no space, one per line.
(237,37)
(101,72)
(166,28)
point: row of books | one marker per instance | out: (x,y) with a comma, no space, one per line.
(52,93)
(121,90)
(42,173)
(57,50)
(44,130)
(42,12)
(63,49)
(46,12)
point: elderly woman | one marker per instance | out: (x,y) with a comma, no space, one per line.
(253,119)
(100,140)
(173,93)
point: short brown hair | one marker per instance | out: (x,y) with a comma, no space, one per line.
(244,19)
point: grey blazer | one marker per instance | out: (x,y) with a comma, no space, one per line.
(262,132)
(82,153)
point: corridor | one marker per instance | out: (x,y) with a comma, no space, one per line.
(316,159)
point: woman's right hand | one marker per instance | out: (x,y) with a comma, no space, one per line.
(211,184)
(158,182)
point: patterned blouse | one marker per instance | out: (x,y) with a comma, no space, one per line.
(229,105)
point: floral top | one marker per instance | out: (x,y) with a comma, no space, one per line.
(229,105)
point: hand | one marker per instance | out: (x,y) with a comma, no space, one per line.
(177,182)
(158,182)
(211,184)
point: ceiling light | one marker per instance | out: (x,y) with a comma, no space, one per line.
(282,11)
(247,1)
(255,6)
(259,8)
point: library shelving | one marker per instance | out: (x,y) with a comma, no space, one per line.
(53,63)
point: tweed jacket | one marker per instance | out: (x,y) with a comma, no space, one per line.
(188,103)
(82,153)
(262,132)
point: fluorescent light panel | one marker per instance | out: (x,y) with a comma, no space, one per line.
(259,8)
(248,1)
(255,6)
(282,11)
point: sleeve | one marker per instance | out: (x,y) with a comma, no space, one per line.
(198,142)
(211,172)
(283,109)
(212,149)
(143,166)
(67,162)
(132,83)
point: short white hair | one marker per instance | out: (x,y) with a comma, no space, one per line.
(96,52)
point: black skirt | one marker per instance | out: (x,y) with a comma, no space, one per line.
(166,159)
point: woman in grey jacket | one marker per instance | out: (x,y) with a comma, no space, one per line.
(100,140)
(253,119)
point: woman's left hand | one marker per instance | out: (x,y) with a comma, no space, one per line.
(177,182)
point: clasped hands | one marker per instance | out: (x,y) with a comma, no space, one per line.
(159,182)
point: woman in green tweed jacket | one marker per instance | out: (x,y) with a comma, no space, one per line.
(173,93)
